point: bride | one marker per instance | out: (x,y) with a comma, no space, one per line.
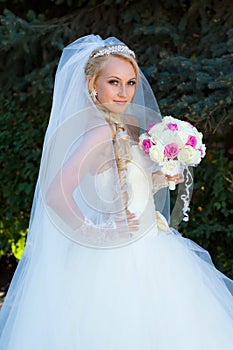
(102,269)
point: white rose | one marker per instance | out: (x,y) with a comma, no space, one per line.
(166,136)
(199,137)
(185,125)
(160,146)
(156,154)
(169,119)
(181,139)
(189,155)
(156,131)
(171,167)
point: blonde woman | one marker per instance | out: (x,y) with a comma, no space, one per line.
(102,269)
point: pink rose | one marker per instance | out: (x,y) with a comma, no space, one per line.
(150,126)
(192,141)
(172,126)
(146,145)
(171,150)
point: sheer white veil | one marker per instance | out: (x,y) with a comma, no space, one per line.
(74,119)
(73,115)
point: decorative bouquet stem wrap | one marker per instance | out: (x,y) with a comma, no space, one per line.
(173,145)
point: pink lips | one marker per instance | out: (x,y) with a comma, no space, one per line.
(120,102)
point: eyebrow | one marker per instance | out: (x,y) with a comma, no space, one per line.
(114,76)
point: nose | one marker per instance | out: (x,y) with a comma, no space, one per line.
(122,91)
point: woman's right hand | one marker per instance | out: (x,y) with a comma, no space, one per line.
(178,178)
(132,224)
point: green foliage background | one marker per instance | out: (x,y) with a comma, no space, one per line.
(185,48)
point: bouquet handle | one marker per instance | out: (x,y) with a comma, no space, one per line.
(172,185)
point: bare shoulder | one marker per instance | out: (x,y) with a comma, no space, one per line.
(133,126)
(130,119)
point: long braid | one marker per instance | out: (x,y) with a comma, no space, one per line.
(121,144)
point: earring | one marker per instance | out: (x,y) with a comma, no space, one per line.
(93,94)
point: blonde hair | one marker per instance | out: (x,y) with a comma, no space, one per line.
(121,142)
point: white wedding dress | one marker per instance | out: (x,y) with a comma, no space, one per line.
(161,292)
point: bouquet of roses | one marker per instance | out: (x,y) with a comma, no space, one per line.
(173,144)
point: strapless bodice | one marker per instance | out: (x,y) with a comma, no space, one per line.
(139,182)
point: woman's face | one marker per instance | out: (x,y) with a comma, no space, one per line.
(116,84)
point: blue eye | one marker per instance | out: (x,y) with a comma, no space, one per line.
(113,82)
(132,82)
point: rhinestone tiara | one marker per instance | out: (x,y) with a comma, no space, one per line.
(117,49)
